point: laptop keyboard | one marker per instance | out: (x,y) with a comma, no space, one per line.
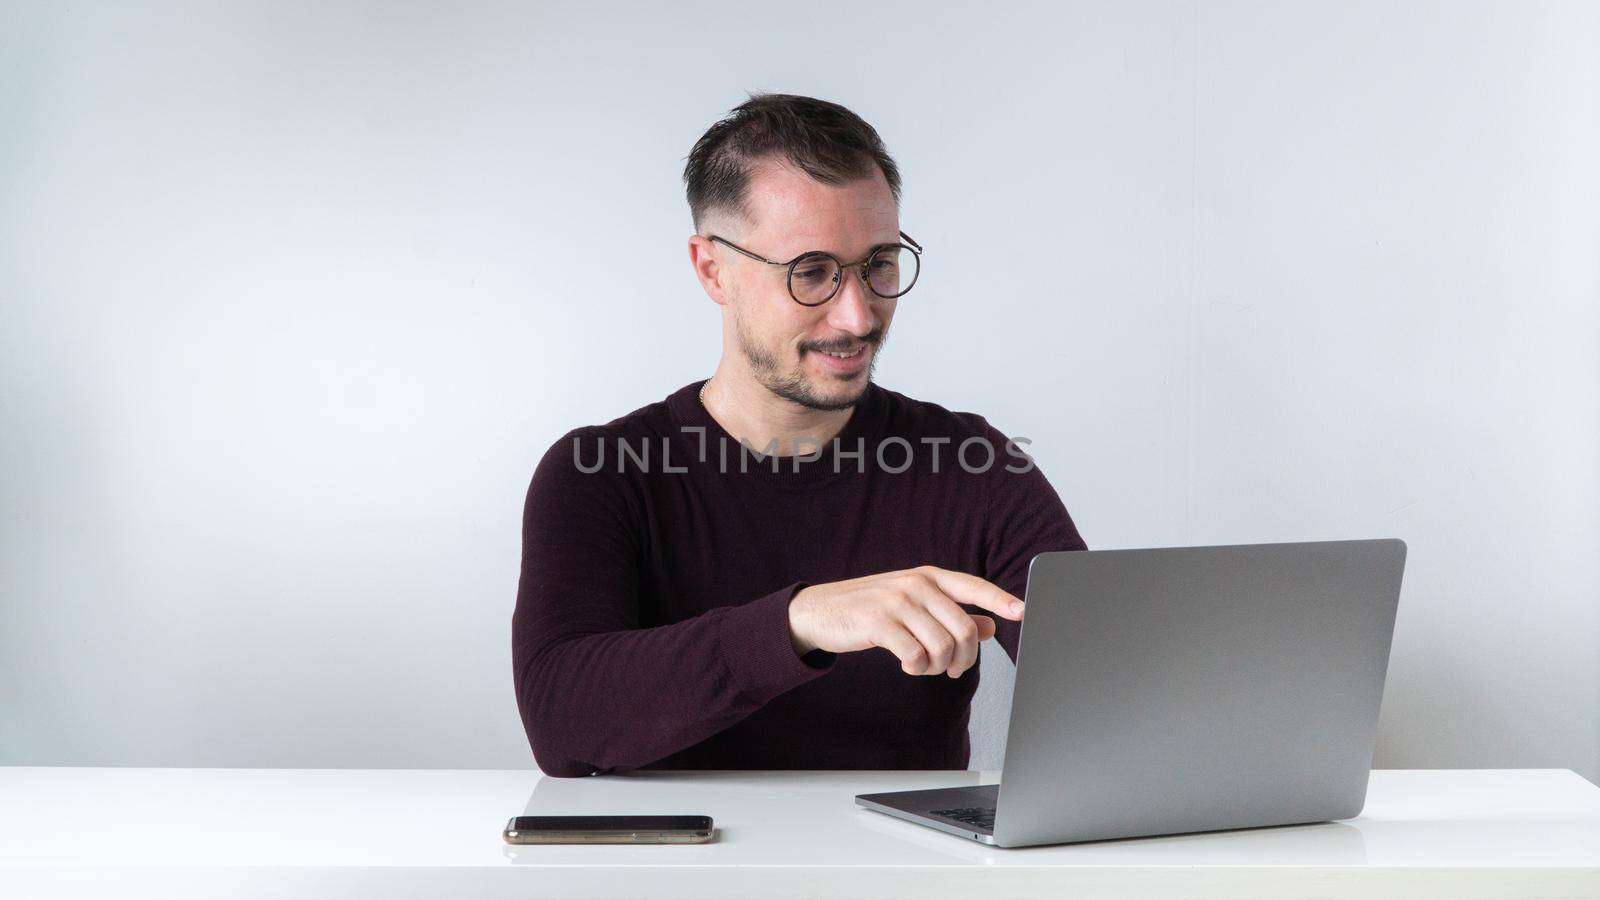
(976,816)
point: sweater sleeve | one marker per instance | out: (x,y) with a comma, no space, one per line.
(1023,518)
(598,693)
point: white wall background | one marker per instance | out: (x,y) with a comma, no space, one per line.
(292,297)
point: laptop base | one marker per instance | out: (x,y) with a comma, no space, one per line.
(919,807)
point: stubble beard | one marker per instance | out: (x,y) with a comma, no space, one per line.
(794,385)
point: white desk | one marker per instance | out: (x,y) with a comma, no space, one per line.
(405,833)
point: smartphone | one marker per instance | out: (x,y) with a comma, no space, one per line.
(608,830)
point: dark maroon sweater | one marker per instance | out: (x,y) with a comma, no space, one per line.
(651,626)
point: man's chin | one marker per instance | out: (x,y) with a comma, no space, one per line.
(843,391)
(828,394)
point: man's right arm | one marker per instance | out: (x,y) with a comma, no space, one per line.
(599,693)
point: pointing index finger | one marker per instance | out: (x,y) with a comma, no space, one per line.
(964,588)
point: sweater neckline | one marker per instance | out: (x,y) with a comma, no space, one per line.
(864,424)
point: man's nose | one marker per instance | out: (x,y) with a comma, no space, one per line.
(851,308)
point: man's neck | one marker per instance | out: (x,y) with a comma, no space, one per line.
(751,413)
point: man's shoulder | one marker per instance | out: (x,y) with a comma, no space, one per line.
(594,448)
(981,448)
(908,416)
(652,420)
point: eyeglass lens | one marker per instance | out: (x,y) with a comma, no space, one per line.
(890,272)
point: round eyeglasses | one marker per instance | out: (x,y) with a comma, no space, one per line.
(815,276)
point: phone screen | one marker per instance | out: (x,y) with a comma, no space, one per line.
(611,823)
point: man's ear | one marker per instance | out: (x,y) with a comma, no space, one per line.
(703,257)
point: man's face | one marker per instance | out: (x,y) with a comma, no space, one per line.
(786,345)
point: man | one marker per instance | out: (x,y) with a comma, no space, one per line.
(785,565)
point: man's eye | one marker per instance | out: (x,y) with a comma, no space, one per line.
(810,273)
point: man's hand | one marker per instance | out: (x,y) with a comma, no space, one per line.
(913,614)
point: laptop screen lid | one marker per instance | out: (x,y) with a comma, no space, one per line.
(1196,688)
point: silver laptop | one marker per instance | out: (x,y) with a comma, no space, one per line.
(1185,689)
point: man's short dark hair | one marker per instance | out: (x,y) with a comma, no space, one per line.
(822,139)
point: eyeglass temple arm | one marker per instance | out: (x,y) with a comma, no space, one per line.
(740,249)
